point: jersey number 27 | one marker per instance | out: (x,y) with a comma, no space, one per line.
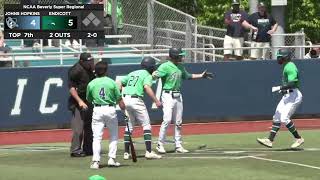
(133,80)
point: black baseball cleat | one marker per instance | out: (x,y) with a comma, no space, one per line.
(80,154)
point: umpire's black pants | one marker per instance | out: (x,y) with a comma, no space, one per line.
(81,131)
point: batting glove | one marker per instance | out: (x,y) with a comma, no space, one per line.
(207,75)
(276,88)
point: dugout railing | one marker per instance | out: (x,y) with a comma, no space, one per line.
(160,54)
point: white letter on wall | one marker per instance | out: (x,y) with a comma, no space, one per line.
(43,108)
(21,84)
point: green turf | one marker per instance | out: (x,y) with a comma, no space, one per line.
(223,158)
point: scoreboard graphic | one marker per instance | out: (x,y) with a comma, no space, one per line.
(53,21)
(59,23)
(22,22)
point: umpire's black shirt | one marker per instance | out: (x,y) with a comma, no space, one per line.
(79,78)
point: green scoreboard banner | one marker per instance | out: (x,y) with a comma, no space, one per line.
(59,22)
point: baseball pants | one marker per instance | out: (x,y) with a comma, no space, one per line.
(287,107)
(137,112)
(104,116)
(172,111)
(81,131)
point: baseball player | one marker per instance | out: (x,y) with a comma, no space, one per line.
(172,73)
(291,99)
(104,94)
(133,86)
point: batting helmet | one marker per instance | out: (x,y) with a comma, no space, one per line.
(283,55)
(176,53)
(149,64)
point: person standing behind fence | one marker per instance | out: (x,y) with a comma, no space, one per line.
(267,26)
(236,21)
(79,76)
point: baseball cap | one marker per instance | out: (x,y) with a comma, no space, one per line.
(235,2)
(86,57)
(96,177)
(262,4)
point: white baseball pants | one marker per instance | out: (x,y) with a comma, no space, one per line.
(137,112)
(172,111)
(104,116)
(287,106)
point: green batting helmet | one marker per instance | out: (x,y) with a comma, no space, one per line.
(176,53)
(283,55)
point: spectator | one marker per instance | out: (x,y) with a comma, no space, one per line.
(119,13)
(236,21)
(313,53)
(3,50)
(267,26)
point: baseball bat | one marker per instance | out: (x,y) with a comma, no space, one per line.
(132,150)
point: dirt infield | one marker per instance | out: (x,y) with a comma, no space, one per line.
(64,135)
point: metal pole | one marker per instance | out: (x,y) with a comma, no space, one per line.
(195,38)
(253,4)
(188,37)
(278,12)
(150,30)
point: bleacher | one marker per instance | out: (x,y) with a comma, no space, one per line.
(66,56)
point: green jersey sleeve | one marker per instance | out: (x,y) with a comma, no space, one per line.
(117,93)
(148,81)
(89,94)
(185,73)
(161,71)
(124,80)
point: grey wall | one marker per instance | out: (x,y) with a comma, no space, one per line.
(240,90)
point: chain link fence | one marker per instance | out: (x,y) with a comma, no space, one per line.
(214,37)
(161,26)
(135,22)
(151,22)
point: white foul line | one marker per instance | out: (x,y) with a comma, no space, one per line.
(208,157)
(285,162)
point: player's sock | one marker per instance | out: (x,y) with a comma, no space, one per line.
(126,141)
(274,130)
(147,139)
(293,130)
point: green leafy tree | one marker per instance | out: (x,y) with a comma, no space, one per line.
(304,14)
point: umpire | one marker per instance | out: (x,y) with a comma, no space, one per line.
(79,76)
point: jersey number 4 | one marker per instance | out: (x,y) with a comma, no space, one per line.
(102,93)
(133,80)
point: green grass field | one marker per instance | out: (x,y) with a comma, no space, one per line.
(225,157)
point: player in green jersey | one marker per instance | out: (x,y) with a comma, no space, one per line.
(134,85)
(172,73)
(291,99)
(104,94)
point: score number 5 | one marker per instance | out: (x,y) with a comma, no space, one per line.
(70,22)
